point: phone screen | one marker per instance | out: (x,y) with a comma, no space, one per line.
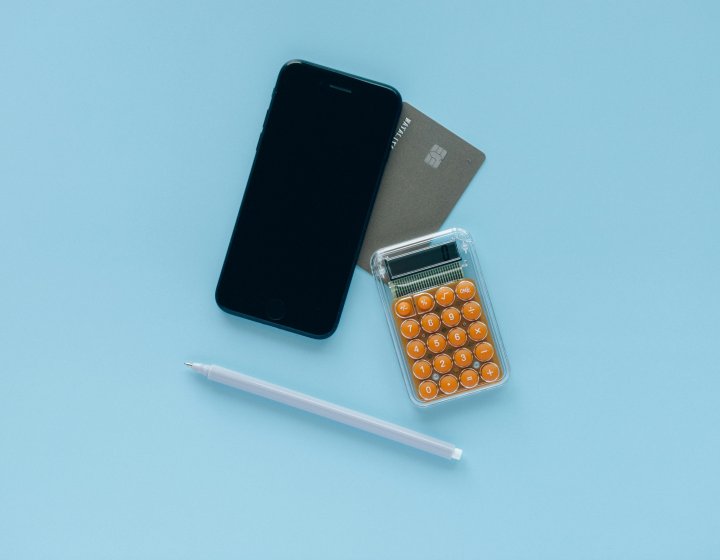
(308,199)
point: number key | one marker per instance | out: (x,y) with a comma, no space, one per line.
(427,390)
(442,363)
(436,343)
(422,369)
(410,328)
(430,322)
(450,316)
(462,357)
(457,337)
(416,349)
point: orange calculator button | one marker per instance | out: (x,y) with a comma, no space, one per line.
(471,310)
(469,378)
(448,384)
(462,357)
(416,349)
(490,372)
(436,343)
(484,351)
(465,290)
(444,296)
(450,316)
(457,337)
(422,369)
(427,390)
(404,308)
(424,302)
(477,331)
(430,322)
(410,328)
(442,363)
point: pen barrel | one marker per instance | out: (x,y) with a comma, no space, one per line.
(334,412)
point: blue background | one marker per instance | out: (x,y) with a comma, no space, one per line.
(127,130)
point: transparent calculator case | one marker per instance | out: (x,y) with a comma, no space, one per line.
(440,317)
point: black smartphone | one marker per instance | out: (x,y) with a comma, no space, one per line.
(308,199)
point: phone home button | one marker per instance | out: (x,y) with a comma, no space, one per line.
(275,309)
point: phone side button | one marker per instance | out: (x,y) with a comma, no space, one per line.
(275,309)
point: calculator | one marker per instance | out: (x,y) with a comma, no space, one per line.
(440,318)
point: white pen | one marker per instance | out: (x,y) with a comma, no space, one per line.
(328,410)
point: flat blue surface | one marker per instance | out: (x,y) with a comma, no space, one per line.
(127,130)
